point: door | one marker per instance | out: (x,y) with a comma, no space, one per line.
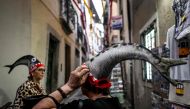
(67,62)
(52,68)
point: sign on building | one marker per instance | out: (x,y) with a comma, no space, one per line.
(117,22)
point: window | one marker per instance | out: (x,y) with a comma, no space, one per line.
(148,40)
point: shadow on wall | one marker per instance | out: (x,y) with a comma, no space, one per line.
(3,97)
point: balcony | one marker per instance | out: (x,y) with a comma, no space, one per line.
(68,16)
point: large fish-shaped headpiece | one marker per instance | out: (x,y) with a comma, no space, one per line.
(30,61)
(102,64)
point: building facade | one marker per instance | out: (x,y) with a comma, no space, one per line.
(37,27)
(150,22)
(147,22)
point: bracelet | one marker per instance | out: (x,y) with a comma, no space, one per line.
(54,100)
(62,93)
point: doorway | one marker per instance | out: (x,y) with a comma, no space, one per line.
(67,62)
(52,68)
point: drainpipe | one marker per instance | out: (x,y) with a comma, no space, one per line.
(131,64)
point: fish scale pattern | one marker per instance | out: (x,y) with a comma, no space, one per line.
(102,64)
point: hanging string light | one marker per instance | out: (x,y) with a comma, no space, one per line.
(89,10)
(90,13)
(103,7)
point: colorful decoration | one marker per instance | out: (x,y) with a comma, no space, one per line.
(180,89)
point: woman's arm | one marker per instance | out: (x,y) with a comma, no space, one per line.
(76,79)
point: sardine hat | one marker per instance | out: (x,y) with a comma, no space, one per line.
(29,60)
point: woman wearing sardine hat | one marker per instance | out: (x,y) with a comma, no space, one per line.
(32,86)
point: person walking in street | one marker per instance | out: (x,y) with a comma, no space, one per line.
(97,91)
(32,86)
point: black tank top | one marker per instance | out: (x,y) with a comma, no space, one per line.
(100,103)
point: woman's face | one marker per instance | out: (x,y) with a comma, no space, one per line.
(38,74)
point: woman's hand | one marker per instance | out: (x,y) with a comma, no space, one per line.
(78,77)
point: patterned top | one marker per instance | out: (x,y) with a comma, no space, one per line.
(28,88)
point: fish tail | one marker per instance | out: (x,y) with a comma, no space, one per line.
(9,66)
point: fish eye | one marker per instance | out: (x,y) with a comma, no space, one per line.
(33,59)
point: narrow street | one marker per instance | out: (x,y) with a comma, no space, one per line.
(141,48)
